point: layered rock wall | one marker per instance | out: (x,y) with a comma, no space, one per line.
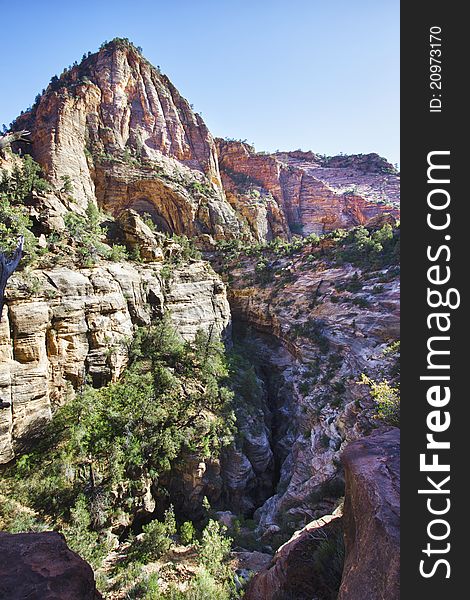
(61,325)
(115,120)
(315,195)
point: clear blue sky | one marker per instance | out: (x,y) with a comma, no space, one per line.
(319,75)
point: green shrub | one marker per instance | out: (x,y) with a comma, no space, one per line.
(187,533)
(387,398)
(117,253)
(157,539)
(296,227)
(214,550)
(188,249)
(79,535)
(85,230)
(24,179)
(16,188)
(172,400)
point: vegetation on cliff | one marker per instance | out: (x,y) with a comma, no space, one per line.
(16,189)
(128,471)
(88,468)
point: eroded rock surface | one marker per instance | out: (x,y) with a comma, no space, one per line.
(40,566)
(302,192)
(61,325)
(125,137)
(311,339)
(372,518)
(298,568)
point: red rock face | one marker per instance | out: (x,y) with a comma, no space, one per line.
(372,518)
(114,120)
(296,568)
(125,137)
(116,99)
(41,566)
(315,194)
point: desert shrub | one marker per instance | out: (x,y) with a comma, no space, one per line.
(370,249)
(187,533)
(156,540)
(16,188)
(201,188)
(86,232)
(117,253)
(188,249)
(205,586)
(66,186)
(172,400)
(24,179)
(215,548)
(387,398)
(329,562)
(15,518)
(79,535)
(202,587)
(296,227)
(264,272)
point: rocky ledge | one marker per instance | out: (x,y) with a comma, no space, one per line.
(372,518)
(370,522)
(40,566)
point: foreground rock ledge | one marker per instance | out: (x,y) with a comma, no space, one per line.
(294,572)
(40,566)
(372,518)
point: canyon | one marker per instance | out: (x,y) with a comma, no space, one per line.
(272,278)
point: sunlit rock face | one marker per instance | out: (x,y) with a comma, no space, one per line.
(372,517)
(75,324)
(127,139)
(311,339)
(302,192)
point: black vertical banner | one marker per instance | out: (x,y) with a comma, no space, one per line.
(435,247)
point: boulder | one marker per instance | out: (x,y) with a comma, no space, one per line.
(40,566)
(137,235)
(372,518)
(307,566)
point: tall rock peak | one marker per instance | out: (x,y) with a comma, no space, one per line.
(126,138)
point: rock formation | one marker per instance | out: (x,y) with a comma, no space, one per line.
(62,324)
(371,535)
(372,518)
(41,566)
(313,339)
(125,138)
(114,132)
(123,135)
(301,192)
(298,568)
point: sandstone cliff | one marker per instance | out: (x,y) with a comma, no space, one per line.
(61,325)
(126,138)
(371,532)
(114,132)
(302,192)
(298,568)
(312,331)
(372,518)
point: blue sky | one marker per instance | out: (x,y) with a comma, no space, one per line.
(320,75)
